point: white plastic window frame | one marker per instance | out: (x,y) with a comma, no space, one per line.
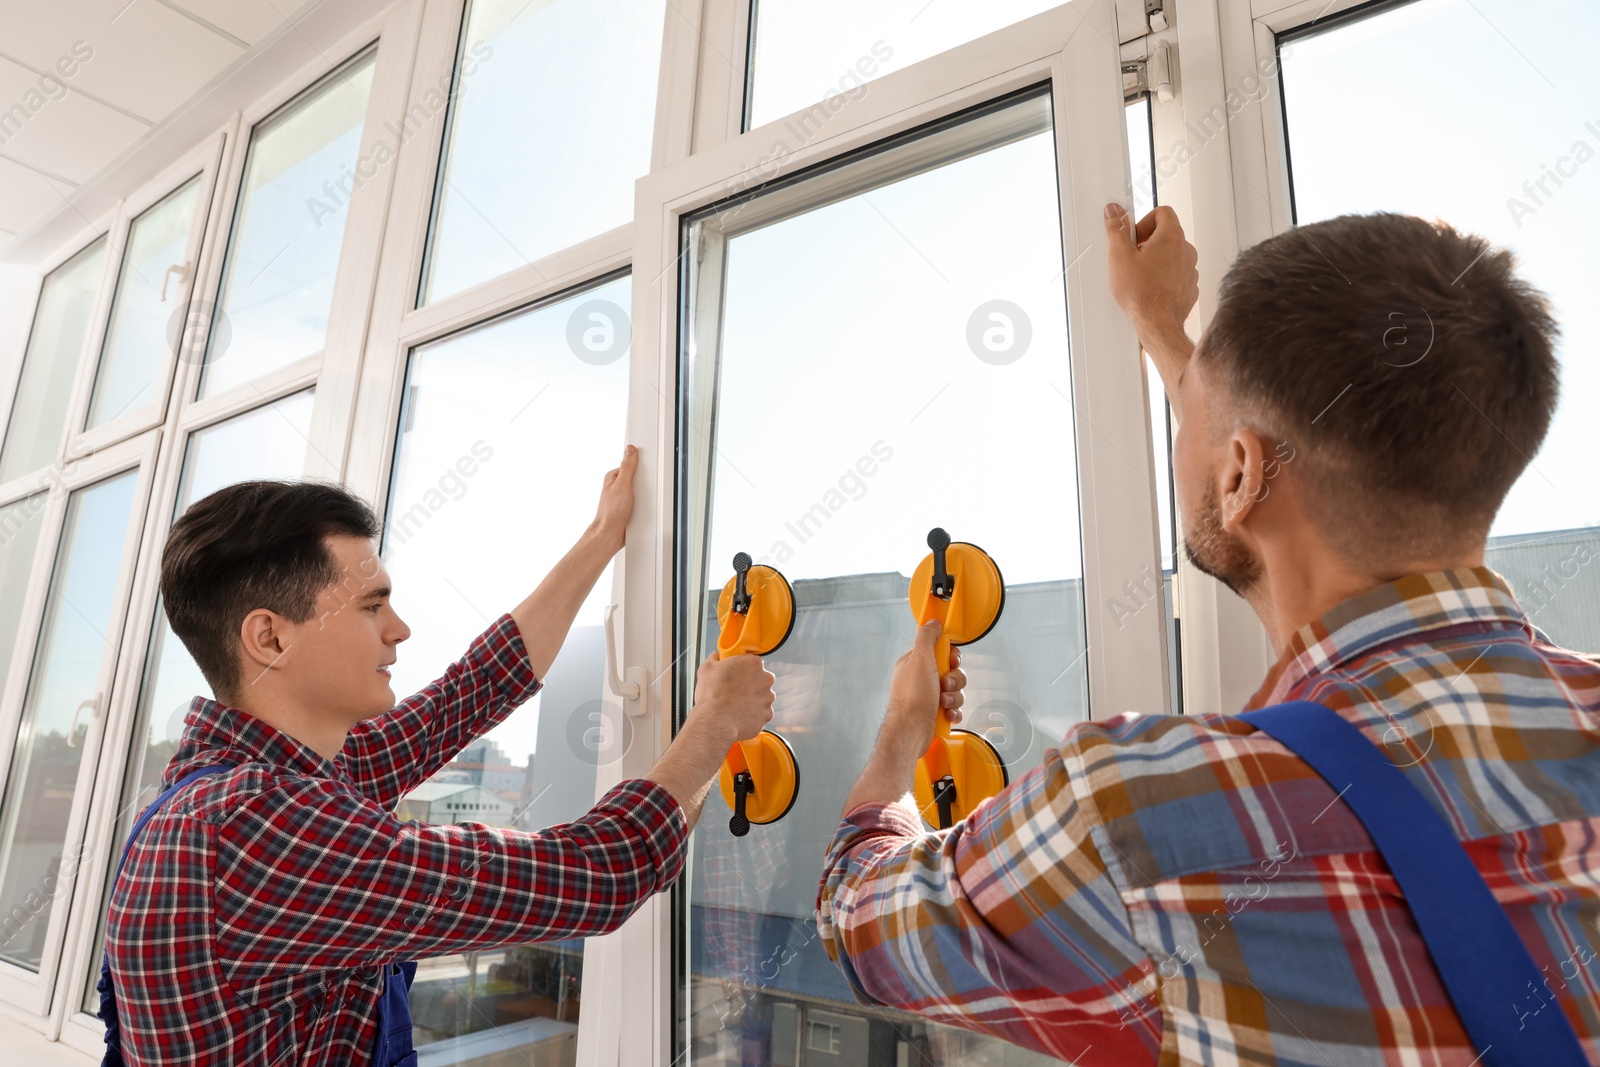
(202,163)
(23,484)
(51,1003)
(1224,649)
(21,990)
(1072,48)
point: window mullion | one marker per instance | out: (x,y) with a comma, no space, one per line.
(354,291)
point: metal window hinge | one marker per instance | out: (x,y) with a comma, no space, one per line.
(1149,66)
(1155,15)
(1134,79)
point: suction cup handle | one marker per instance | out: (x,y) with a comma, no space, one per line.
(741,595)
(944,794)
(944,583)
(743,786)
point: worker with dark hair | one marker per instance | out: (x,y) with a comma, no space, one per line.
(270,903)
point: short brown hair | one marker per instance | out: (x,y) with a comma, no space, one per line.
(1414,372)
(259,544)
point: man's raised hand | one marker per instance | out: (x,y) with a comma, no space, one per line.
(1153,274)
(616,502)
(1154,279)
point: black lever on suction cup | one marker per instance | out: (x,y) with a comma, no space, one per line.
(741,595)
(944,794)
(944,583)
(743,786)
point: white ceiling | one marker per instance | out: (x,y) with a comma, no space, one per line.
(146,59)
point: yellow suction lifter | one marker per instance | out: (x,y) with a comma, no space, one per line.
(760,778)
(959,585)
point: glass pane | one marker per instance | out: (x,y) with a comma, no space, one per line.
(1537,193)
(268,442)
(143,308)
(39,412)
(809,51)
(1141,164)
(551,385)
(551,126)
(20,524)
(288,228)
(73,645)
(889,362)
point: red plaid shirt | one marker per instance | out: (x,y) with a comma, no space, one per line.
(256,909)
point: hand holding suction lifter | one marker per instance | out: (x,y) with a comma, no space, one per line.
(959,585)
(760,778)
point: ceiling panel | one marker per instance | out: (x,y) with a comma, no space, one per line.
(142,57)
(27,196)
(68,137)
(248,20)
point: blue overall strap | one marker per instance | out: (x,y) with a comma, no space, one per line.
(1482,961)
(393,1047)
(108,995)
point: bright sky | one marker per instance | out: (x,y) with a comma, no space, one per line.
(552,424)
(807,48)
(848,326)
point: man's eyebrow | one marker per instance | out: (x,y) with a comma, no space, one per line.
(376,594)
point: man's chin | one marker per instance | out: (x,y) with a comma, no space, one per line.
(1238,572)
(381,704)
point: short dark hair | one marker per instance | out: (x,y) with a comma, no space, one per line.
(1414,372)
(258,544)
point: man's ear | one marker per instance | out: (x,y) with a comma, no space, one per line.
(265,643)
(1242,478)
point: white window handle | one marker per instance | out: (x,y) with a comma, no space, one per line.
(635,690)
(72,727)
(181,270)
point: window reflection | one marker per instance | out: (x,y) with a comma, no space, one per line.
(288,229)
(20,523)
(506,432)
(50,363)
(154,270)
(551,124)
(809,51)
(859,373)
(75,642)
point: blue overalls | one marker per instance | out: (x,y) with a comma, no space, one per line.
(393,1047)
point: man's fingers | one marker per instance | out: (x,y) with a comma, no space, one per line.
(1119,225)
(927,637)
(1149,224)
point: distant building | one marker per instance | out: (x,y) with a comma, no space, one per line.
(485,764)
(454,802)
(1556,576)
